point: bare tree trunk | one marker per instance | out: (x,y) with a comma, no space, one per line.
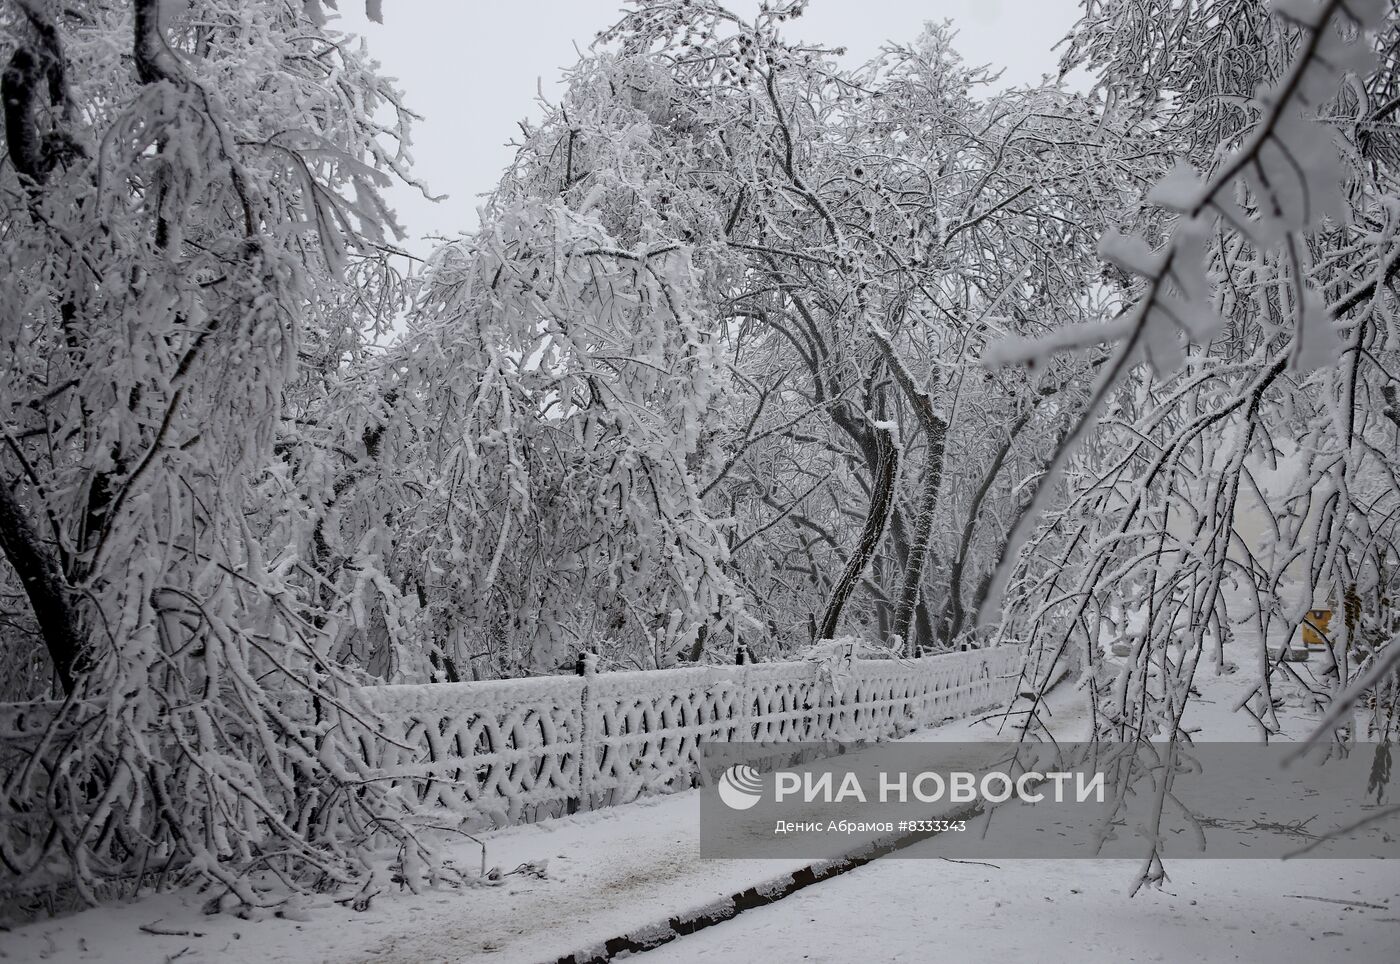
(44,583)
(954,613)
(859,432)
(936,434)
(923,535)
(34,74)
(34,78)
(876,518)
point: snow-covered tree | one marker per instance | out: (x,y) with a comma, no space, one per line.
(1235,466)
(190,194)
(751,350)
(855,239)
(543,421)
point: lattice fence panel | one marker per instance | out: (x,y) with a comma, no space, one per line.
(502,752)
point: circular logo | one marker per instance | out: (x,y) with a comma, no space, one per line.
(740,787)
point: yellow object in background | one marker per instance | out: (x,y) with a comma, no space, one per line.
(1314,627)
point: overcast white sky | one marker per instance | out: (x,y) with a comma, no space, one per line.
(473,69)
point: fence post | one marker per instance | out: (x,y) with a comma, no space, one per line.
(586,666)
(588,763)
(743,728)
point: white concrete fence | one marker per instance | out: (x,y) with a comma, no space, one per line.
(510,751)
(500,752)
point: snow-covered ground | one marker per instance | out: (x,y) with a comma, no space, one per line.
(624,870)
(1071,911)
(607,873)
(920,907)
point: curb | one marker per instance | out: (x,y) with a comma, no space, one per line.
(657,933)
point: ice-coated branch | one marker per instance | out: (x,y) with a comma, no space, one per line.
(1293,175)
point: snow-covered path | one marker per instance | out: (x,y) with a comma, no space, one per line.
(1070,911)
(608,873)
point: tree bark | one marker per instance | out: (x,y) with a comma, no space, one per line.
(935,434)
(35,69)
(859,432)
(43,580)
(954,613)
(876,518)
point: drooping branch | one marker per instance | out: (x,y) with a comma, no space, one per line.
(1284,211)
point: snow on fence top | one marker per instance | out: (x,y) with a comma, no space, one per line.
(508,751)
(515,751)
